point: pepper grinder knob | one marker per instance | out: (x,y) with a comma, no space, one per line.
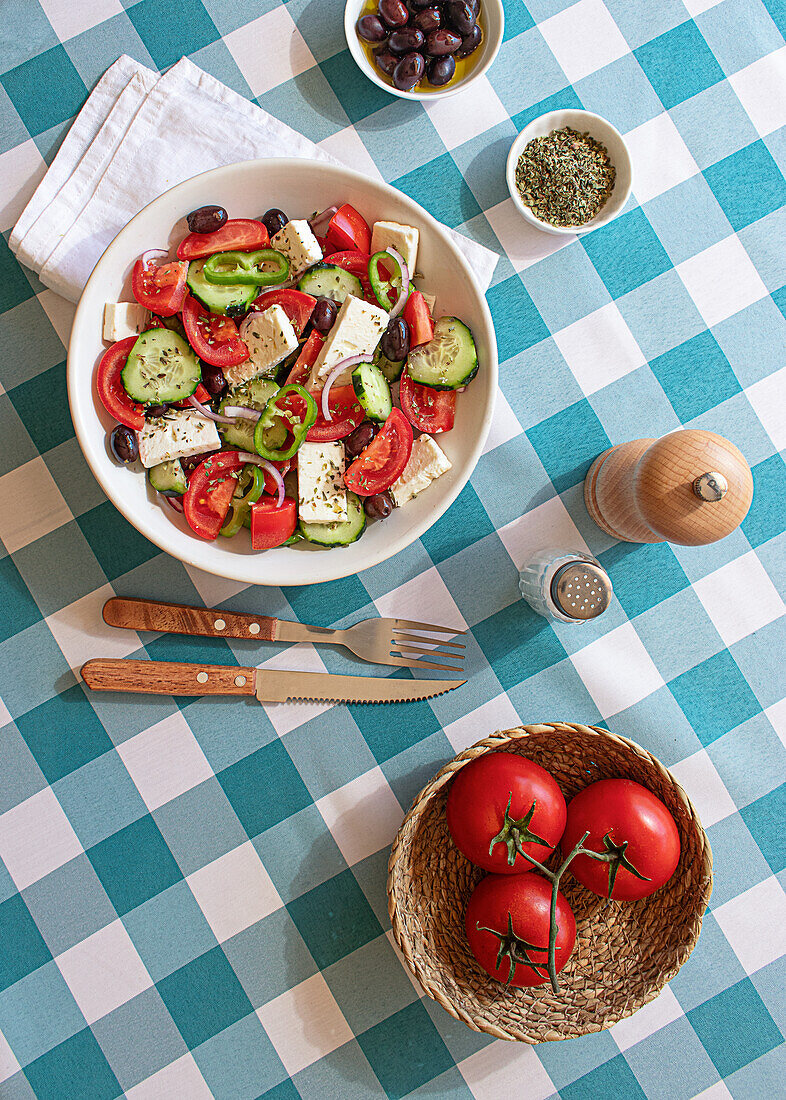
(711,487)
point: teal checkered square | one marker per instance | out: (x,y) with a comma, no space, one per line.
(334,919)
(566,467)
(24,949)
(45,90)
(64,733)
(134,864)
(172,32)
(76,1067)
(715,696)
(204,997)
(679,64)
(632,568)
(748,185)
(264,788)
(626,253)
(763,818)
(409,1029)
(717,1023)
(42,404)
(139,1038)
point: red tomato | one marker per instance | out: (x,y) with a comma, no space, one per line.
(383,461)
(416,314)
(357,264)
(522,902)
(209,494)
(110,387)
(625,820)
(236,235)
(160,289)
(200,393)
(297,305)
(478,805)
(270,525)
(347,413)
(306,359)
(214,338)
(348,229)
(427,409)
(283,468)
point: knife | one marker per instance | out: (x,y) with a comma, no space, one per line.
(269,685)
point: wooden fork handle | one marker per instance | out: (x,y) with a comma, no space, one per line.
(176,618)
(167,677)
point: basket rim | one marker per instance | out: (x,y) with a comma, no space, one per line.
(435,785)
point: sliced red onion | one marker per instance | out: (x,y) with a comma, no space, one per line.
(209,412)
(174,502)
(257,460)
(147,256)
(339,368)
(242,411)
(404,294)
(320,222)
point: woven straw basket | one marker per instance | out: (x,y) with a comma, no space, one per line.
(625,951)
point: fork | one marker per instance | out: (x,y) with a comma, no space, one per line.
(379,641)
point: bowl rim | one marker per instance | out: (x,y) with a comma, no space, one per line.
(95,453)
(521,140)
(362,62)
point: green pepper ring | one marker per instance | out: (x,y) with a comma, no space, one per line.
(383,287)
(248,270)
(298,427)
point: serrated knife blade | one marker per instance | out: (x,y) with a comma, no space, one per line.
(269,686)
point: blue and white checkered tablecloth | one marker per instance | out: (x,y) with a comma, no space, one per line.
(192,894)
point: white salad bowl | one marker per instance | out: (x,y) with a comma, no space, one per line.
(599,129)
(493,21)
(299,187)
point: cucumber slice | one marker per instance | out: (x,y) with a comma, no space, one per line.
(372,391)
(254,394)
(447,361)
(341,532)
(161,367)
(391,369)
(329,281)
(234,298)
(168,477)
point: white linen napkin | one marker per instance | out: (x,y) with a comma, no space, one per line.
(137,136)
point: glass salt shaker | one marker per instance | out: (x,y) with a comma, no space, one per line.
(569,586)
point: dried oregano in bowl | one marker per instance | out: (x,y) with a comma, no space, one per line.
(565,177)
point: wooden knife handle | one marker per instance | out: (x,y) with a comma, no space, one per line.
(176,618)
(167,677)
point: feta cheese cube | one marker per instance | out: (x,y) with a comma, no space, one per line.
(177,434)
(426,463)
(299,245)
(123,319)
(357,330)
(404,238)
(322,495)
(270,338)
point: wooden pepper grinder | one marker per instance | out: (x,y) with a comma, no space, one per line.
(690,487)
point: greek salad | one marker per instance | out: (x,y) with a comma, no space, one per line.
(283,376)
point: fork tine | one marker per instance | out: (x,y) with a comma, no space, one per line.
(414,651)
(393,660)
(399,637)
(407,624)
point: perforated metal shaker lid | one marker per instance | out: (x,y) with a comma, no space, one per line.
(581,589)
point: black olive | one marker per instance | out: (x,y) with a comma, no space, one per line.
(274,220)
(409,71)
(155,410)
(429,19)
(393,12)
(442,42)
(406,40)
(236,309)
(385,61)
(395,340)
(379,506)
(471,42)
(358,440)
(461,16)
(324,315)
(371,29)
(213,379)
(207,219)
(441,70)
(123,444)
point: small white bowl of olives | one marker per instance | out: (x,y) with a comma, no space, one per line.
(424,49)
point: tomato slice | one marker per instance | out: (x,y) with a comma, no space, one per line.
(160,289)
(306,359)
(348,229)
(356,263)
(200,393)
(347,413)
(297,305)
(209,494)
(383,461)
(416,314)
(270,484)
(270,525)
(236,235)
(110,387)
(214,338)
(427,409)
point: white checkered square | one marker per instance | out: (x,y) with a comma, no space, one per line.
(304,1024)
(777,718)
(296,658)
(269,51)
(8,1061)
(180,1080)
(617,670)
(234,891)
(103,971)
(496,714)
(754,923)
(21,524)
(584,38)
(660,157)
(362,816)
(36,837)
(466,115)
(69,19)
(599,348)
(704,787)
(165,760)
(60,313)
(524,245)
(768,400)
(21,170)
(739,598)
(80,631)
(347,146)
(504,424)
(550,524)
(504,1069)
(665,1009)
(425,599)
(721,280)
(761,89)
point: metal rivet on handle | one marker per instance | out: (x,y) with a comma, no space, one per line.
(254,628)
(240,681)
(219,624)
(202,677)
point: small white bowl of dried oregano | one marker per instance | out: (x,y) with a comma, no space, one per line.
(569,172)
